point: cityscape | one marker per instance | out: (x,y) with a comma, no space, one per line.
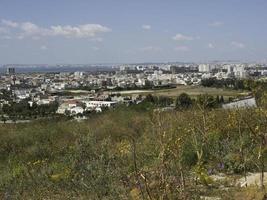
(81,92)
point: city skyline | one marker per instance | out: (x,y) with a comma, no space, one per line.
(131,31)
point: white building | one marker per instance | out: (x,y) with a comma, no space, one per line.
(99,104)
(44,101)
(140,68)
(205,68)
(22,94)
(76,110)
(58,86)
(78,75)
(240,72)
(67,105)
(245,103)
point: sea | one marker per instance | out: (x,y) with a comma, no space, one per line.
(57,68)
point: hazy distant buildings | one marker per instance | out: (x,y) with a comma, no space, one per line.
(78,75)
(240,72)
(205,68)
(10,71)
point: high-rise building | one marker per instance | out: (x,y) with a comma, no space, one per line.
(205,68)
(78,75)
(10,71)
(240,71)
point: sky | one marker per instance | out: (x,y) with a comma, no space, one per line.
(132,31)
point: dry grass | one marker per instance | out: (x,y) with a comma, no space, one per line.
(250,193)
(192,91)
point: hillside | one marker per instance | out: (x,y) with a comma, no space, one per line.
(129,154)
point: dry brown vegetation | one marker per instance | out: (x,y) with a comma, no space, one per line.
(129,154)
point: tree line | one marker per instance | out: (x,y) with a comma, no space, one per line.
(233,83)
(184,101)
(23,110)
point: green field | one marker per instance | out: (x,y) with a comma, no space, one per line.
(191,90)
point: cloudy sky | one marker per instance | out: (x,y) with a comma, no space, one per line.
(119,31)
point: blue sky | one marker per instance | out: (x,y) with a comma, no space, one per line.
(120,31)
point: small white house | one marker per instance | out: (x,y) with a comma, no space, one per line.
(100,104)
(76,110)
(44,101)
(62,108)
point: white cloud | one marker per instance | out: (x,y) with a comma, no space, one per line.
(150,49)
(181,48)
(29,29)
(216,24)
(43,47)
(146,27)
(9,23)
(238,44)
(81,31)
(181,37)
(211,46)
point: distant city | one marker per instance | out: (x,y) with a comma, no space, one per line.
(77,89)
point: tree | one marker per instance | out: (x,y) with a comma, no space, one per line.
(164,101)
(3,119)
(206,101)
(150,98)
(183,101)
(217,99)
(221,99)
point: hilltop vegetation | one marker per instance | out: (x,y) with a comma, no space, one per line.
(132,153)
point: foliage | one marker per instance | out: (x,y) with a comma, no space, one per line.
(238,84)
(125,153)
(183,101)
(23,110)
(161,101)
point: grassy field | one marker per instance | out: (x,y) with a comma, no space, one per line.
(191,90)
(128,154)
